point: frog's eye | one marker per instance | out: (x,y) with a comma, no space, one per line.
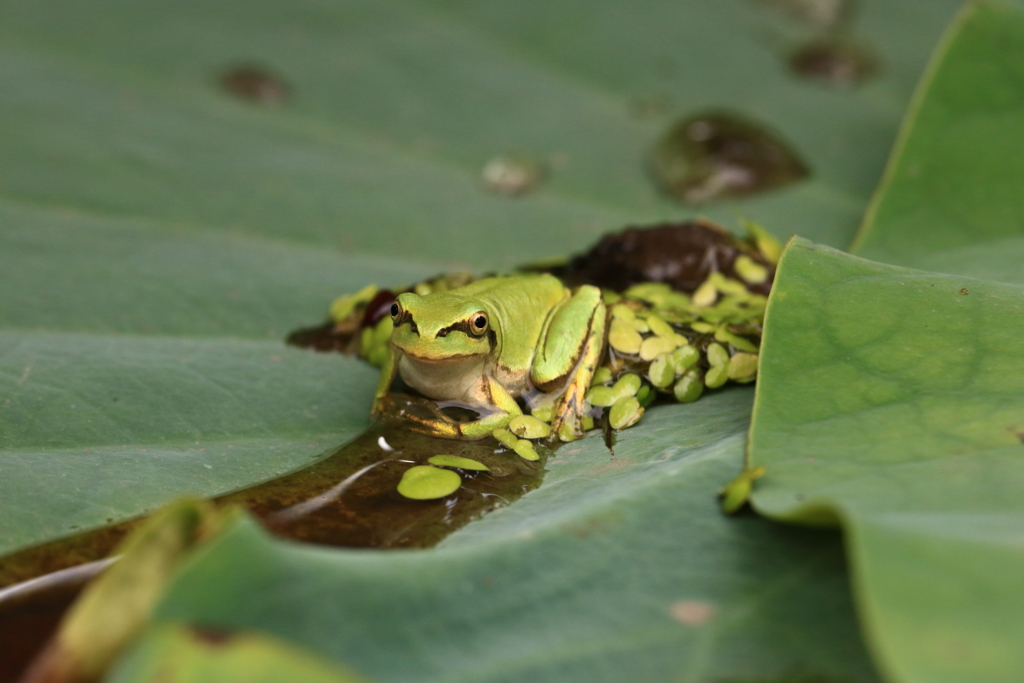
(396,311)
(478,323)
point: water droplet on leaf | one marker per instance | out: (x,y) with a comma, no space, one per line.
(710,156)
(833,62)
(512,175)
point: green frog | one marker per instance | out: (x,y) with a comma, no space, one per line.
(492,341)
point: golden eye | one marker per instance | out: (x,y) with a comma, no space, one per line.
(478,323)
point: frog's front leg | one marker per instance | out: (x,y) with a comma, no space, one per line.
(505,408)
(387,376)
(569,354)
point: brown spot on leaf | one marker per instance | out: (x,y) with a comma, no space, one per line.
(211,635)
(692,612)
(255,84)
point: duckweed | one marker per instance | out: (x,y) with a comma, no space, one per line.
(628,385)
(525,450)
(764,241)
(529,427)
(543,414)
(750,270)
(736,493)
(460,463)
(706,294)
(623,337)
(623,312)
(743,367)
(343,306)
(626,411)
(717,355)
(738,342)
(689,387)
(684,358)
(505,437)
(660,327)
(661,373)
(602,396)
(716,376)
(640,325)
(646,396)
(652,347)
(424,482)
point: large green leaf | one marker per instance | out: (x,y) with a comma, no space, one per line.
(617,568)
(951,199)
(890,400)
(138,199)
(112,108)
(158,238)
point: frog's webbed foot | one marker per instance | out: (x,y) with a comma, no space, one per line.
(426,417)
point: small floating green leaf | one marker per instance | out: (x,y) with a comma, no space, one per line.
(689,387)
(684,358)
(529,427)
(456,461)
(736,492)
(525,450)
(716,376)
(545,414)
(717,355)
(750,270)
(660,327)
(506,437)
(652,347)
(627,385)
(344,305)
(623,337)
(602,396)
(661,372)
(424,482)
(743,367)
(626,411)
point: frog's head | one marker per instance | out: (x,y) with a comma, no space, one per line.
(441,326)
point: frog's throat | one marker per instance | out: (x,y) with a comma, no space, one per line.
(459,378)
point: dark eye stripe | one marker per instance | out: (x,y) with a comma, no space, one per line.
(464,326)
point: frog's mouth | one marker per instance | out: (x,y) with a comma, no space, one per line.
(447,359)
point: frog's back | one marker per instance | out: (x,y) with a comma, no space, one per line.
(521,304)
